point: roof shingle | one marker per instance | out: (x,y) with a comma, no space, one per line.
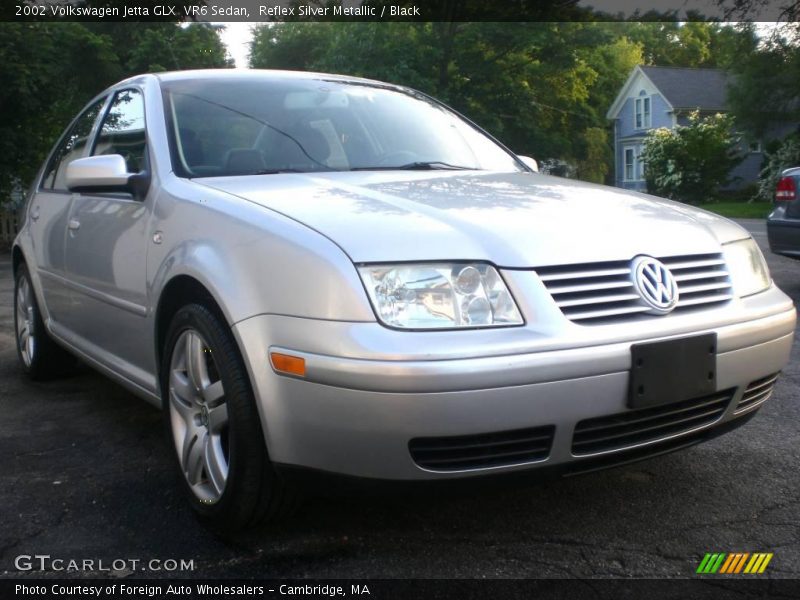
(685,88)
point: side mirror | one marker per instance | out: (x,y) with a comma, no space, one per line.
(105,174)
(530,163)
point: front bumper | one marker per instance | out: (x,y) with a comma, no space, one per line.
(356,416)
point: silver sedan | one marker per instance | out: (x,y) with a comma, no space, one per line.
(319,274)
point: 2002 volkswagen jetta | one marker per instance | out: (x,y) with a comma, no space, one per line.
(321,272)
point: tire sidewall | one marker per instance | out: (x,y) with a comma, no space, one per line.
(245,438)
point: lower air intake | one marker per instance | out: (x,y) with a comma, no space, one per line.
(499,449)
(756,393)
(639,426)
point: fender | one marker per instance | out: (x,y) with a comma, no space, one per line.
(251,259)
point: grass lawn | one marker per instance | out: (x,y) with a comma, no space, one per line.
(740,210)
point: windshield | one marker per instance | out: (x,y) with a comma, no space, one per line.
(229,126)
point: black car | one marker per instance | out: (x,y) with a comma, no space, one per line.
(783,223)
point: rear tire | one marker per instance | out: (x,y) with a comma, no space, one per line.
(214,426)
(40,356)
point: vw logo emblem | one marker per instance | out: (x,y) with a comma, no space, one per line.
(655,284)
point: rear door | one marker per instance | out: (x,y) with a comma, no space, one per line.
(49,214)
(106,249)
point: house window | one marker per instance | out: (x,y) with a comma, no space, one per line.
(634,165)
(643,118)
(630,163)
(754,147)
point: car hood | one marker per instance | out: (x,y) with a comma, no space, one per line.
(511,219)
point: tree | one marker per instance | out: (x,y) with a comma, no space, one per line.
(740,10)
(294,46)
(696,43)
(185,47)
(594,165)
(764,91)
(612,59)
(50,70)
(733,42)
(36,99)
(690,163)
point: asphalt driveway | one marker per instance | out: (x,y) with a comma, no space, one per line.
(85,474)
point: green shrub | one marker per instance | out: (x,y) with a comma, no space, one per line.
(691,162)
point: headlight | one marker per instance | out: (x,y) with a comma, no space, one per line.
(747,267)
(440,295)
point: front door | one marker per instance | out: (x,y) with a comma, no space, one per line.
(106,249)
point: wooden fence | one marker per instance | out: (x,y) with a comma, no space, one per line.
(8,228)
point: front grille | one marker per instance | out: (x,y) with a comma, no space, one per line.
(483,450)
(757,393)
(602,292)
(615,432)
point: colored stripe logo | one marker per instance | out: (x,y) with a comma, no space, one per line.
(734,563)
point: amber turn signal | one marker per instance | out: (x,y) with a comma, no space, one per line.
(293,365)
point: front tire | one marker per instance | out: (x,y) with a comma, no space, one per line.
(214,426)
(40,356)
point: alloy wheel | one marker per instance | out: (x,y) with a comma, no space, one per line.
(24,316)
(199,417)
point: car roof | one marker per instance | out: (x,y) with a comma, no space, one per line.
(260,74)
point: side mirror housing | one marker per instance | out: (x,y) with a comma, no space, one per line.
(105,174)
(529,162)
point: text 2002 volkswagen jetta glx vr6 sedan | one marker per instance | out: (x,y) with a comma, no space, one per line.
(343,275)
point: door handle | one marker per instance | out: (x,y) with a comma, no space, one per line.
(74,225)
(35,213)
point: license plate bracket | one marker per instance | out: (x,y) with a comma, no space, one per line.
(672,370)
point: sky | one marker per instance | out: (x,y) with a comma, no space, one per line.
(236,37)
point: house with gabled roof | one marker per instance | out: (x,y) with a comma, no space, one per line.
(654,97)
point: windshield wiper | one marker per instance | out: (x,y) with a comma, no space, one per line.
(430,165)
(276,171)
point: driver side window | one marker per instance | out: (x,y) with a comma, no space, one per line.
(122,131)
